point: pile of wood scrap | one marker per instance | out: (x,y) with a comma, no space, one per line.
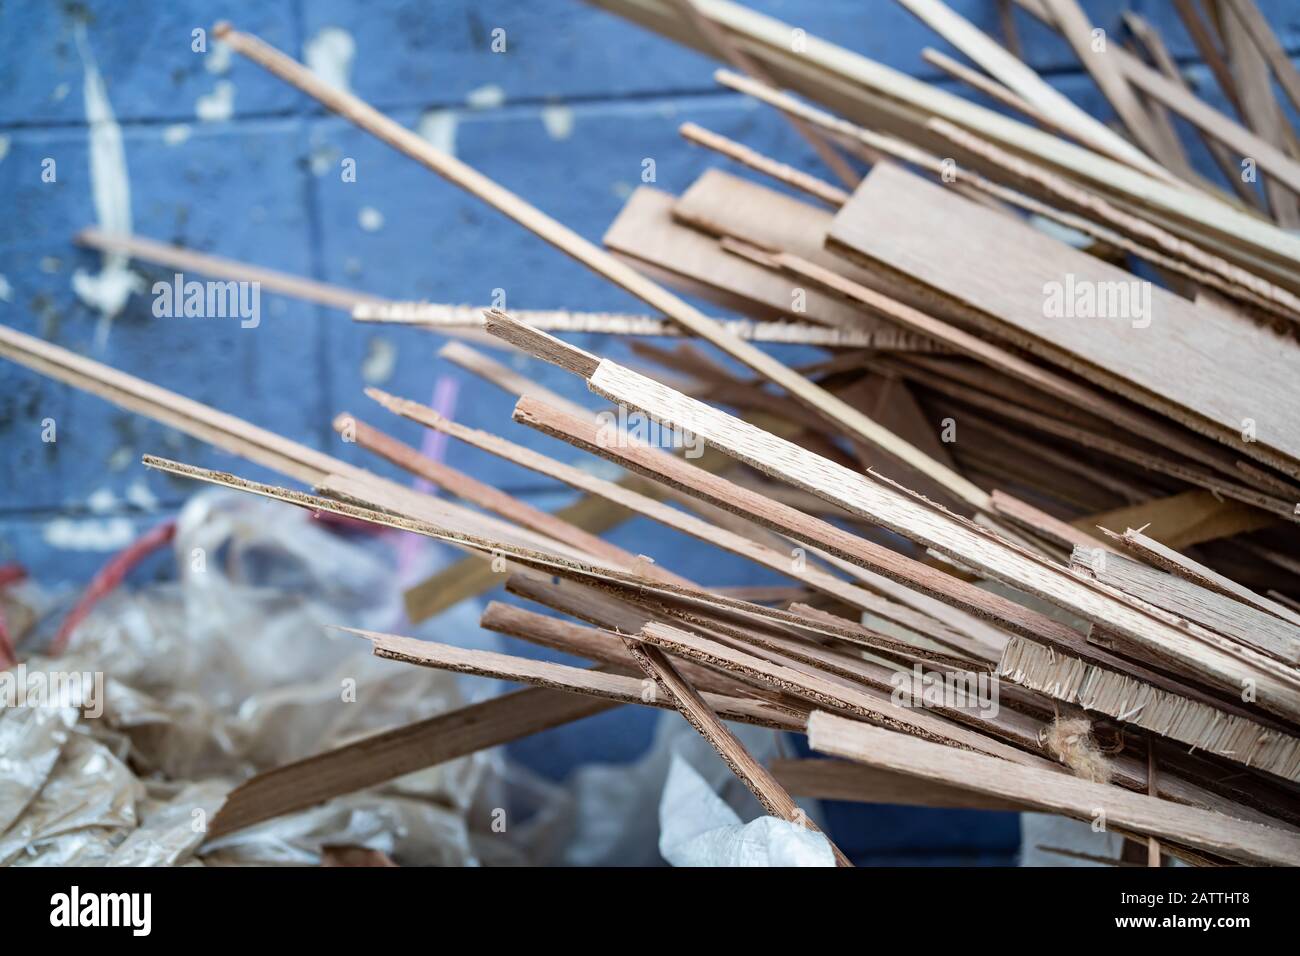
(1036,504)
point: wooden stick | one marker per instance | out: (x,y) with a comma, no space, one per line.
(601,262)
(721,43)
(844,780)
(817,188)
(386,756)
(1255,628)
(1261,111)
(624,689)
(1077,29)
(1163,60)
(1263,36)
(476,492)
(436,317)
(1201,829)
(992,89)
(756,778)
(1209,50)
(1021,79)
(1161,556)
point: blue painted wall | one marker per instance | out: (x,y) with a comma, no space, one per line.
(264,186)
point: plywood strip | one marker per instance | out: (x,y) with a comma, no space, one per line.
(1161,556)
(1248,625)
(437,317)
(1210,832)
(1146,352)
(622,688)
(386,756)
(746,156)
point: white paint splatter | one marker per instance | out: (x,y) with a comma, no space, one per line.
(111,189)
(558,120)
(329,55)
(217,106)
(51,264)
(138,494)
(61,92)
(381,358)
(439,128)
(6,290)
(176,134)
(93,534)
(101,501)
(486,97)
(371,219)
(4,147)
(217,60)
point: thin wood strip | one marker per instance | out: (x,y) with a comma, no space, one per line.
(1015,75)
(601,262)
(721,43)
(1149,38)
(1261,111)
(1248,625)
(747,156)
(991,88)
(1077,29)
(845,780)
(479,493)
(437,317)
(625,689)
(1207,47)
(1170,560)
(1263,36)
(1280,167)
(691,705)
(1071,796)
(386,756)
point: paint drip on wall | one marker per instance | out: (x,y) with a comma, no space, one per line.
(106,292)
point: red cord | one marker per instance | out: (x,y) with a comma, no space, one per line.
(9,574)
(109,577)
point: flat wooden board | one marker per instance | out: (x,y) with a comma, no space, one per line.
(1209,370)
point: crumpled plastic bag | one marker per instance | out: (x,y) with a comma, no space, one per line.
(229,671)
(680,803)
(697,828)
